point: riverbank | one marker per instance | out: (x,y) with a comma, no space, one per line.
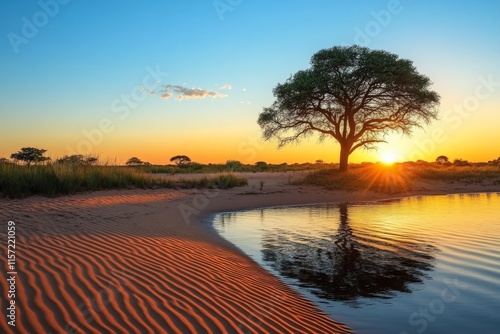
(141,261)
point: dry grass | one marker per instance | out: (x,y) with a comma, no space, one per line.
(399,177)
(57,179)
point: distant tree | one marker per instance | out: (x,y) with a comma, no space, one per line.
(78,159)
(442,159)
(180,159)
(351,94)
(194,166)
(70,159)
(319,161)
(4,161)
(134,161)
(233,165)
(30,155)
(461,162)
(494,161)
(262,165)
(421,162)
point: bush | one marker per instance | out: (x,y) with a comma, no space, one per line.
(261,166)
(233,165)
(461,163)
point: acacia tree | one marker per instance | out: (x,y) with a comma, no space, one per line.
(134,161)
(78,159)
(352,94)
(30,155)
(442,159)
(180,159)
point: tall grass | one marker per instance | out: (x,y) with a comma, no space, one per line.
(467,174)
(58,178)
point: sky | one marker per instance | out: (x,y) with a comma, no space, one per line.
(154,79)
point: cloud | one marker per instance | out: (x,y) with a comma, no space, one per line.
(226,86)
(147,90)
(188,93)
(243,89)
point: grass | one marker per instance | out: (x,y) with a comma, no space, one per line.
(231,167)
(467,174)
(54,179)
(399,177)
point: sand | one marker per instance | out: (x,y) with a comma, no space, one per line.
(144,261)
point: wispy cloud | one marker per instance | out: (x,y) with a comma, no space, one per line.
(182,93)
(226,86)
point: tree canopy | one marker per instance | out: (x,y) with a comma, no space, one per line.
(30,155)
(442,159)
(180,159)
(78,159)
(134,161)
(352,94)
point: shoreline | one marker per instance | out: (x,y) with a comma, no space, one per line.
(145,260)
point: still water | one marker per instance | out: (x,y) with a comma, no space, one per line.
(416,265)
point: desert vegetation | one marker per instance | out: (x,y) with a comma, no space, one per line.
(31,173)
(68,176)
(400,177)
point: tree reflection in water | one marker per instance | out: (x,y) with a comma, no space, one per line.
(345,266)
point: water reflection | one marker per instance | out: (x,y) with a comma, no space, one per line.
(374,266)
(350,263)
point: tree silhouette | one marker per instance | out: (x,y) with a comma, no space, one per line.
(461,162)
(352,94)
(78,159)
(180,160)
(29,155)
(233,165)
(344,266)
(442,159)
(134,161)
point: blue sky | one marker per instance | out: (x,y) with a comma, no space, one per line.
(71,70)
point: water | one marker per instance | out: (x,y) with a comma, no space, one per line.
(416,265)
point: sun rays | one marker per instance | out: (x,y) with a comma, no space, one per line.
(387,177)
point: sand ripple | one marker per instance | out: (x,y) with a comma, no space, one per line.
(126,262)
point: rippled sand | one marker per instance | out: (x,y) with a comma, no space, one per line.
(141,261)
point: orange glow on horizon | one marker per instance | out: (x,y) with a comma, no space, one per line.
(388,157)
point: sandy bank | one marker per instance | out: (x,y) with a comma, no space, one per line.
(140,261)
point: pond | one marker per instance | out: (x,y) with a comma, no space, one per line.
(420,264)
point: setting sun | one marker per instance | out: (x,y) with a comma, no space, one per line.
(388,157)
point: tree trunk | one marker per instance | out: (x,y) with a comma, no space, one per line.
(344,158)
